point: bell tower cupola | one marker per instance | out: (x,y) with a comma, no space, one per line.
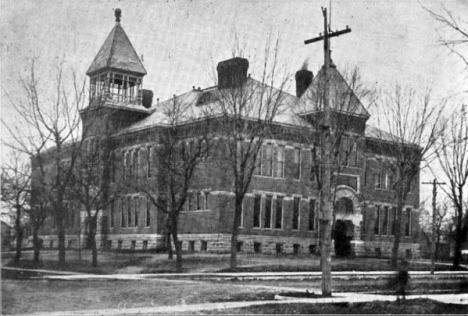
(116,73)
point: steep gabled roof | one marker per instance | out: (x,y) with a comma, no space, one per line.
(342,97)
(117,53)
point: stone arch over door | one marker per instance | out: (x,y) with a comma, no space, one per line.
(347,215)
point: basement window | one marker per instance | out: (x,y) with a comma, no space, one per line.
(257,247)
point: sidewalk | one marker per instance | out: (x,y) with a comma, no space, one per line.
(338,298)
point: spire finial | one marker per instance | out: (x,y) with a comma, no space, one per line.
(118,14)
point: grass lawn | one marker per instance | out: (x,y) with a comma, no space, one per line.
(138,262)
(416,306)
(28,296)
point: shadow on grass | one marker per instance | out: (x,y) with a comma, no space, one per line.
(416,306)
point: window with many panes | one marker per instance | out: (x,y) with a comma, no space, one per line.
(279,213)
(136,208)
(122,213)
(295,214)
(408,222)
(149,158)
(256,211)
(297,163)
(385,221)
(377,220)
(148,212)
(312,215)
(129,211)
(111,215)
(268,205)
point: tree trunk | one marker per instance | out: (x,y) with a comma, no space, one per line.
(19,244)
(170,253)
(36,243)
(325,259)
(235,231)
(92,241)
(396,240)
(19,236)
(61,236)
(458,243)
(178,247)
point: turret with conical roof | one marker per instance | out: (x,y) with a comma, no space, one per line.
(116,98)
(116,73)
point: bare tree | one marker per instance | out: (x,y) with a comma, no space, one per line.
(246,109)
(16,194)
(345,137)
(452,155)
(409,125)
(91,185)
(441,225)
(457,32)
(183,142)
(49,132)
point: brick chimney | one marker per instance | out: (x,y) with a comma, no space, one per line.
(232,72)
(303,80)
(147,98)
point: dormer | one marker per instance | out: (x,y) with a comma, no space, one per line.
(116,73)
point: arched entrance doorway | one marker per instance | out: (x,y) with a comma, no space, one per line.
(343,227)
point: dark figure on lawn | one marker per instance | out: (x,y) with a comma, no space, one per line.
(402,280)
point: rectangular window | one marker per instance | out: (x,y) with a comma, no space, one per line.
(136,162)
(344,151)
(267,163)
(148,213)
(199,201)
(279,162)
(312,215)
(190,198)
(129,163)
(364,221)
(256,211)
(377,220)
(137,210)
(112,167)
(394,222)
(354,154)
(149,158)
(129,211)
(124,164)
(207,200)
(378,182)
(258,162)
(268,205)
(408,222)
(297,163)
(241,220)
(72,216)
(122,213)
(385,221)
(111,215)
(366,173)
(279,212)
(295,215)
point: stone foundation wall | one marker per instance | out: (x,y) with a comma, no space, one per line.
(111,242)
(221,243)
(134,242)
(384,249)
(248,243)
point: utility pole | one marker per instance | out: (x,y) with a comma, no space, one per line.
(434,184)
(326,203)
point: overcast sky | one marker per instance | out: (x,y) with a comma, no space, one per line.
(182,41)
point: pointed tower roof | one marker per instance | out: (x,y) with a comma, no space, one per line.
(342,97)
(117,53)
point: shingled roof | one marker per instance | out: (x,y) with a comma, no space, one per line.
(117,53)
(342,97)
